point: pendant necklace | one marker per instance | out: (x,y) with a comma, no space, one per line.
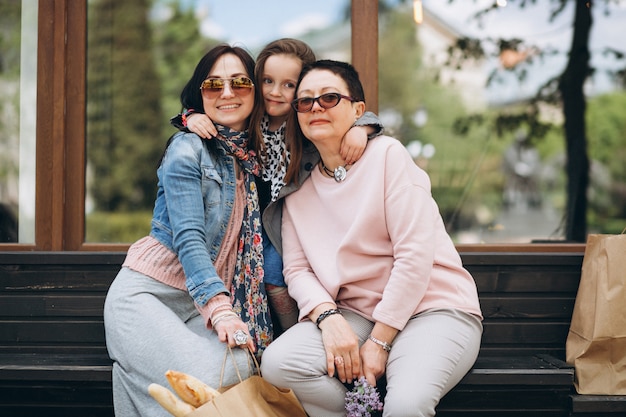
(339,174)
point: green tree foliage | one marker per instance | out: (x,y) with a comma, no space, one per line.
(140,55)
(124,106)
(178,48)
(399,63)
(10,18)
(606,127)
(564,90)
(465,169)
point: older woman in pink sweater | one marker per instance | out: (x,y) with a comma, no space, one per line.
(380,286)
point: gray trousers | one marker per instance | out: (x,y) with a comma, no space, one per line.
(150,328)
(428,358)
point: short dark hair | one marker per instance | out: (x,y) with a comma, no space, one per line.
(296,141)
(343,70)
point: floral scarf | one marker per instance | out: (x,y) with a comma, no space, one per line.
(248,294)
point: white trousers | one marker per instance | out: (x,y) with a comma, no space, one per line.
(428,358)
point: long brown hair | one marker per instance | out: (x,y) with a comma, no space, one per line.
(191,96)
(285,46)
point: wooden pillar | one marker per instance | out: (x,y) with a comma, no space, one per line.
(365,48)
(60,176)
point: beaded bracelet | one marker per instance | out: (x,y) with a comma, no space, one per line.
(325,314)
(386,346)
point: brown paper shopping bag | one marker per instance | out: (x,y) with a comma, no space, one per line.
(596,342)
(252,397)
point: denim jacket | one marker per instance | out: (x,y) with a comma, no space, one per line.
(195,198)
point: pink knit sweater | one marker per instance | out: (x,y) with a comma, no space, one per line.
(151,258)
(374,243)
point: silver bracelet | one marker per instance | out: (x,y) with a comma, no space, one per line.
(223,316)
(386,346)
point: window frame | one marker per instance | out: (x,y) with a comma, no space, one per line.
(61,126)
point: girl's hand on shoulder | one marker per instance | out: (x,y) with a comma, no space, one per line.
(201,125)
(353,144)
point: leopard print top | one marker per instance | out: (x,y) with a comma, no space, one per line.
(275,167)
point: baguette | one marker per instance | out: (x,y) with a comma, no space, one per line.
(169,401)
(190,389)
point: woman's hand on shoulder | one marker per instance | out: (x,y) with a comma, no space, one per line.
(201,125)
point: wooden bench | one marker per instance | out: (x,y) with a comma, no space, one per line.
(598,405)
(527,302)
(53,359)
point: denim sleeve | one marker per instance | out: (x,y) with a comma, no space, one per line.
(371,119)
(182,182)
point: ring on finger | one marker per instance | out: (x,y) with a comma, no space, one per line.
(338,360)
(241,338)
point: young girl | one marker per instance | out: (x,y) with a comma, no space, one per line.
(277,70)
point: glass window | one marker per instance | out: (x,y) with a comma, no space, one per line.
(139,56)
(468,115)
(125,128)
(18,104)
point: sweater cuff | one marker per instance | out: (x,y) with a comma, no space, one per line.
(218,303)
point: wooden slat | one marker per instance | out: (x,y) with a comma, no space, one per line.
(503,401)
(526,307)
(591,405)
(55,367)
(27,409)
(525,370)
(56,399)
(62,332)
(66,259)
(524,279)
(52,305)
(514,332)
(51,280)
(502,259)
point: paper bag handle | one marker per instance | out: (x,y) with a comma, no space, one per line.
(232,356)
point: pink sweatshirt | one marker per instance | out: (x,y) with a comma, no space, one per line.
(374,243)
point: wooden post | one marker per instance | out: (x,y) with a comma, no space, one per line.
(365,48)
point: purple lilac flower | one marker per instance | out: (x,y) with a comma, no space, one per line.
(362,400)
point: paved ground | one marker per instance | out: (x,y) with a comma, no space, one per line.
(518,224)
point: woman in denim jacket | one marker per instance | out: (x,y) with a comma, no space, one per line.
(195,285)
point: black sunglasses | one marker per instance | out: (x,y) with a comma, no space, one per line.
(326,101)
